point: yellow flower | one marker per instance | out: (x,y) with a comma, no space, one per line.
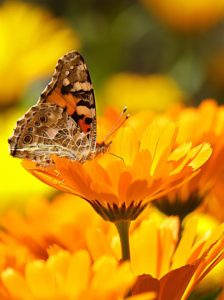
(119,186)
(176,266)
(163,259)
(16,185)
(12,253)
(30,42)
(204,123)
(214,205)
(156,92)
(187,15)
(64,224)
(69,277)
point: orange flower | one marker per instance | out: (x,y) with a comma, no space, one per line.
(119,186)
(162,258)
(205,123)
(64,224)
(164,263)
(187,15)
(38,40)
(157,92)
(175,267)
(13,254)
(68,276)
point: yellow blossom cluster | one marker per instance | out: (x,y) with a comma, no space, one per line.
(155,159)
(74,254)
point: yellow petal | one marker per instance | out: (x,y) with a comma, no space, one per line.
(78,274)
(16,284)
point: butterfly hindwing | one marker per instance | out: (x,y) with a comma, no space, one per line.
(47,129)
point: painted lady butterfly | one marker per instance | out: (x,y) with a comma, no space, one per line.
(63,122)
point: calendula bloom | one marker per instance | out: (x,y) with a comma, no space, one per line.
(13,254)
(187,15)
(159,257)
(68,276)
(119,186)
(30,42)
(164,263)
(171,267)
(205,123)
(65,222)
(157,92)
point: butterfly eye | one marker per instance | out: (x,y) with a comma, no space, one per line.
(43,119)
(27,139)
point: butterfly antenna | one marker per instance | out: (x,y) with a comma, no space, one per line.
(121,120)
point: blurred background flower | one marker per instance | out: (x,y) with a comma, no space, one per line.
(69,276)
(141,92)
(187,15)
(31,40)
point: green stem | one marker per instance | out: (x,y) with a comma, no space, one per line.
(123,230)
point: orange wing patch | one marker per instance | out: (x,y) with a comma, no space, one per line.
(71,89)
(67,101)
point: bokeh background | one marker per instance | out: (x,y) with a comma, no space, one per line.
(146,54)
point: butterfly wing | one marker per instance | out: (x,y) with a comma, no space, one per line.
(71,89)
(64,120)
(47,129)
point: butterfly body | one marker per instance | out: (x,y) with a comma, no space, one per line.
(63,122)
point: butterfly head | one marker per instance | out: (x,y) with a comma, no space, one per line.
(102,148)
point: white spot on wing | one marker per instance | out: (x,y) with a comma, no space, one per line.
(51,132)
(85,86)
(66,82)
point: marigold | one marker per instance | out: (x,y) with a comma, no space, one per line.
(163,258)
(187,15)
(38,39)
(65,223)
(157,92)
(119,187)
(68,276)
(208,119)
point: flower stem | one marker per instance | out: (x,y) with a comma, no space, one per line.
(123,230)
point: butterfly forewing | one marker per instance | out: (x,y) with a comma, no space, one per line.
(71,88)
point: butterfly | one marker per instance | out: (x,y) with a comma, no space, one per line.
(63,122)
